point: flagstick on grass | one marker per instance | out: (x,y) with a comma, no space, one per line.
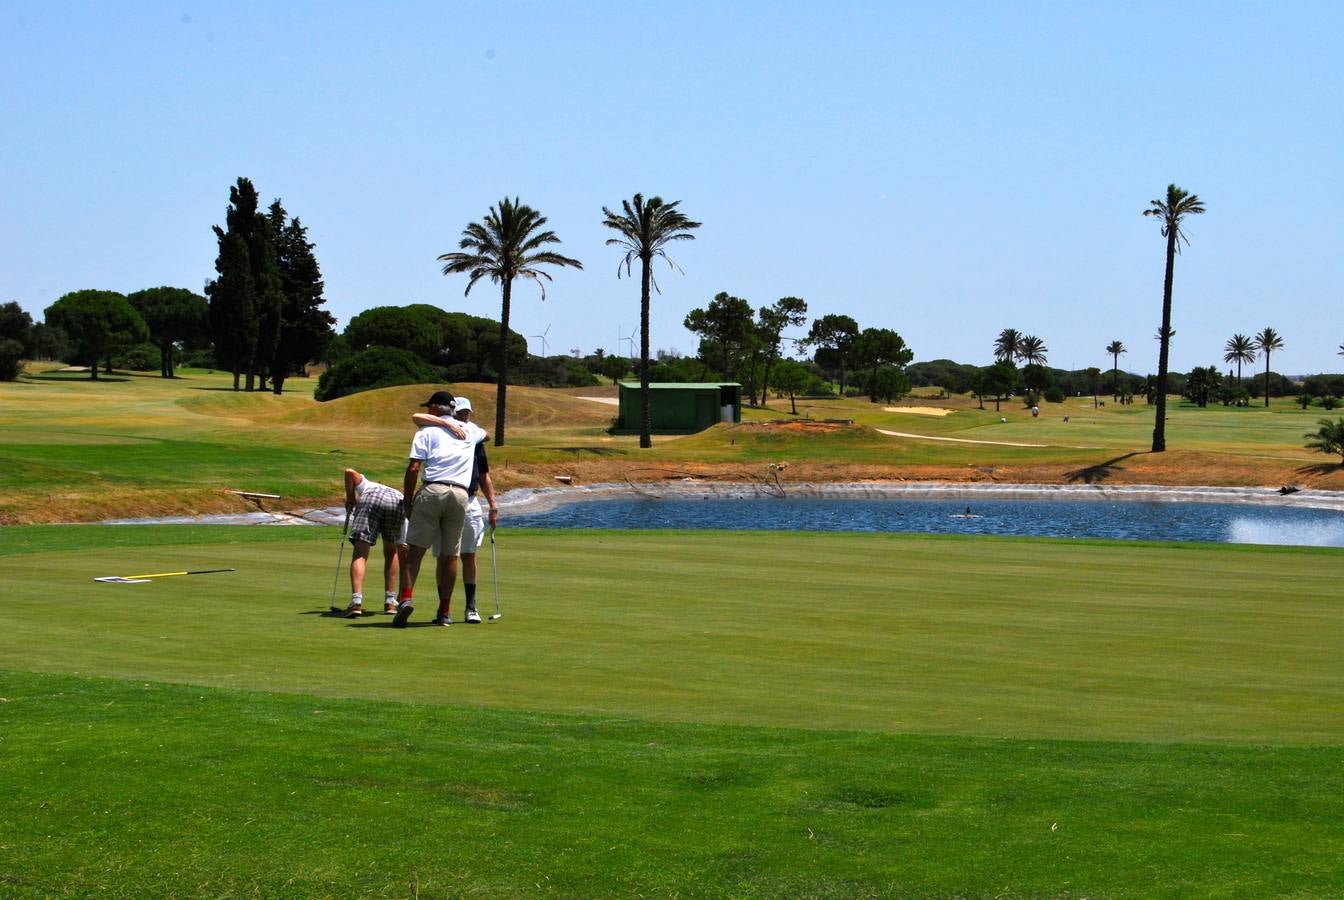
(140,579)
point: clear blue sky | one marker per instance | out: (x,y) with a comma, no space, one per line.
(944,170)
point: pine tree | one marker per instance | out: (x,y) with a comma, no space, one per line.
(246,326)
(305,328)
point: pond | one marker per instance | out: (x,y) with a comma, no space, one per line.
(1238,523)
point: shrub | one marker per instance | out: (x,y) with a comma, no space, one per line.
(11,359)
(1305,400)
(376,367)
(199,359)
(1329,402)
(1054,394)
(818,387)
(1329,438)
(138,358)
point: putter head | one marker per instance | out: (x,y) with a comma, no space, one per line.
(336,608)
(495,616)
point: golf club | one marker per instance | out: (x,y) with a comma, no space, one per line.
(339,555)
(494,575)
(140,579)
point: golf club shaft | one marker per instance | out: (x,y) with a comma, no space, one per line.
(340,554)
(170,574)
(494,573)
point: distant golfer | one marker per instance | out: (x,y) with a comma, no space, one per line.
(377,512)
(443,462)
(473,530)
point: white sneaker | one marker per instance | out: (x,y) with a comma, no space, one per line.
(353,611)
(473,617)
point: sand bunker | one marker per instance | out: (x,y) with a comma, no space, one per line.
(920,410)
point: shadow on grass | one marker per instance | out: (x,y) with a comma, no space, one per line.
(1319,469)
(241,390)
(595,451)
(368,620)
(77,377)
(1099,472)
(387,623)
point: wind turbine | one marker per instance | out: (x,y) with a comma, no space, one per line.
(629,340)
(545,347)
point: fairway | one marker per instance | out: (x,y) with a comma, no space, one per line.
(73,450)
(674,713)
(933,635)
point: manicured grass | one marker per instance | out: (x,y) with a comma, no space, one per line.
(76,450)
(135,789)
(877,632)
(660,713)
(676,714)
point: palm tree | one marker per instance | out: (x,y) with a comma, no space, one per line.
(1240,349)
(645,229)
(1267,342)
(1115,348)
(1172,212)
(505,245)
(1329,438)
(1008,345)
(1032,350)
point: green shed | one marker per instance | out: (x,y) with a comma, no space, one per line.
(680,408)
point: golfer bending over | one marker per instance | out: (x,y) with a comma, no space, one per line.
(473,530)
(377,510)
(442,461)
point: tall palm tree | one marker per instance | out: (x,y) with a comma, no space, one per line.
(645,229)
(1008,345)
(505,245)
(1032,350)
(1267,342)
(1115,348)
(1240,349)
(1171,212)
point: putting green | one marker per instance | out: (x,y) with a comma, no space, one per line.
(875,632)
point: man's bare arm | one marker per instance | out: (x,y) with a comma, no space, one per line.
(408,485)
(352,478)
(488,489)
(423,419)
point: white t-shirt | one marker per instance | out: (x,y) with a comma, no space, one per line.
(446,458)
(365,484)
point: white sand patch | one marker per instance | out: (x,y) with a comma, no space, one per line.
(920,410)
(951,440)
(609,401)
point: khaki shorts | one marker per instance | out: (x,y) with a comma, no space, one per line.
(437,516)
(473,530)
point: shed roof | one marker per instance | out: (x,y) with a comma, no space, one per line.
(684,385)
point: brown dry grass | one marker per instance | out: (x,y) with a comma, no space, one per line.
(557,433)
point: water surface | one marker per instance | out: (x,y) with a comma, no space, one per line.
(1237,523)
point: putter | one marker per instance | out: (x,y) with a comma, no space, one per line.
(339,555)
(494,575)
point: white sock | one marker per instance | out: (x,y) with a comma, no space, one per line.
(389,597)
(357,599)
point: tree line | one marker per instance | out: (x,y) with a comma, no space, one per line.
(261,318)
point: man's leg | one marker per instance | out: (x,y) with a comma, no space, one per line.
(447,577)
(453,514)
(358,563)
(408,574)
(469,585)
(392,553)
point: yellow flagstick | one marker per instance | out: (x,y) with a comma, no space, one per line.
(159,575)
